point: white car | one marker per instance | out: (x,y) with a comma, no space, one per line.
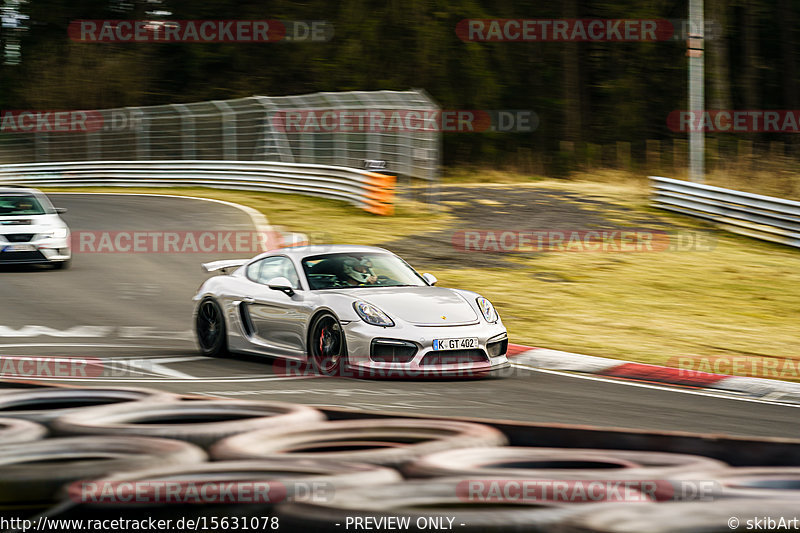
(31,230)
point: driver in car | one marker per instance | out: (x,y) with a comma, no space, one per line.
(359,272)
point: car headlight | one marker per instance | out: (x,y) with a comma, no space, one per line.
(372,315)
(487,309)
(58,233)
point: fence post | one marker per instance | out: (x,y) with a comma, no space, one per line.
(228,130)
(41,146)
(141,136)
(270,135)
(93,144)
(187,131)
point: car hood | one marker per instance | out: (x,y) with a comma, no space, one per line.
(10,224)
(26,222)
(425,306)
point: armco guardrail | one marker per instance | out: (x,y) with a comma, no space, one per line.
(369,190)
(754,215)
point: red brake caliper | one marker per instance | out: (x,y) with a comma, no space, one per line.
(321,336)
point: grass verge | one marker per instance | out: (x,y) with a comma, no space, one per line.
(733,309)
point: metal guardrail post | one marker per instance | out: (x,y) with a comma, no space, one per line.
(270,136)
(228,129)
(41,146)
(187,131)
(93,144)
(141,135)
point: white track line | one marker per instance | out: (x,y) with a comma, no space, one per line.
(76,345)
(260,222)
(656,387)
(251,379)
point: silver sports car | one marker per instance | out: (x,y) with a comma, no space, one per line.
(356,309)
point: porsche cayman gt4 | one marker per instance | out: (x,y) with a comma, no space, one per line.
(344,308)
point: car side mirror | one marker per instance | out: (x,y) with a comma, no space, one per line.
(281,284)
(430,279)
(61,210)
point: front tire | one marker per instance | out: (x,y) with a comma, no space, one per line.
(210,329)
(327,347)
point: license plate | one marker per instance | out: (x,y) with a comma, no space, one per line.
(455,344)
(20,248)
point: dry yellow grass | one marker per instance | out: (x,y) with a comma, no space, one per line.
(739,300)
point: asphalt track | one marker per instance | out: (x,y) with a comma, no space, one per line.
(133,313)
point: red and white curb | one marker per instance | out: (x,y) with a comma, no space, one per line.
(545,359)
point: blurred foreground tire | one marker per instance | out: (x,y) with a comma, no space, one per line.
(384,441)
(520,461)
(419,506)
(681,517)
(660,473)
(772,482)
(226,488)
(201,422)
(16,430)
(45,404)
(32,473)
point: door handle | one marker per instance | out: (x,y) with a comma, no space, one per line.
(249,300)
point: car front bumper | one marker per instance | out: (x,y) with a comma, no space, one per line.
(36,251)
(359,337)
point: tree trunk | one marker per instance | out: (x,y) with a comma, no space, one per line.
(751,76)
(786,22)
(718,56)
(572,86)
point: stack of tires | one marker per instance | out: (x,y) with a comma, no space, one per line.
(135,453)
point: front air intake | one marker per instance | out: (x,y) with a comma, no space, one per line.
(392,351)
(454,357)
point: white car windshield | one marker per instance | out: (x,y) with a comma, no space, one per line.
(20,204)
(343,270)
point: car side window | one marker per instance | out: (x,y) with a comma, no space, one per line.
(273,267)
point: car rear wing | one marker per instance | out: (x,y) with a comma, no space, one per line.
(225,266)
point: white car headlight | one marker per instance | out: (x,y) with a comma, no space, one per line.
(58,233)
(372,315)
(487,309)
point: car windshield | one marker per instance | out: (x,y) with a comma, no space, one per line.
(20,204)
(344,270)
